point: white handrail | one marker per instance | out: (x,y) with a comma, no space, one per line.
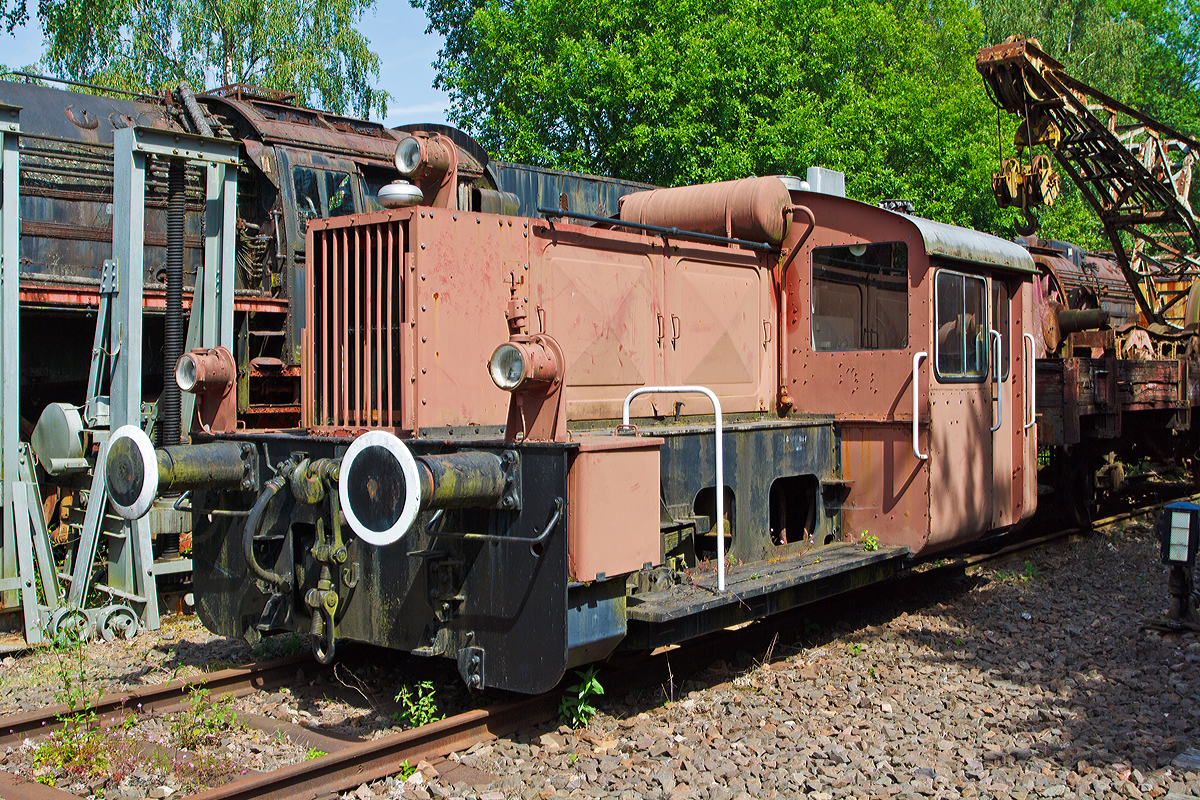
(916,405)
(720,459)
(1031,366)
(998,372)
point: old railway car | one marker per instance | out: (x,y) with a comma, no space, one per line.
(527,442)
(298,164)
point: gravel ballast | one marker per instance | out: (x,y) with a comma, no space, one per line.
(1026,679)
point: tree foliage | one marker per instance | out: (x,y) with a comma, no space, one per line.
(310,47)
(680,91)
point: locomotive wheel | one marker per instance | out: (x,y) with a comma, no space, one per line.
(69,626)
(118,622)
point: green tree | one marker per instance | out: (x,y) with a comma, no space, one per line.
(309,47)
(678,91)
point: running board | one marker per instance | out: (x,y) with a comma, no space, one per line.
(754,590)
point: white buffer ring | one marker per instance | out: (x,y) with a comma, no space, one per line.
(412,487)
(133,508)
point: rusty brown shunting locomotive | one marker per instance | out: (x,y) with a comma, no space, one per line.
(528,441)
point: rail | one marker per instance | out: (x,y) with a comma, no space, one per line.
(720,459)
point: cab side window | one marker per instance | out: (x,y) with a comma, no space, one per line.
(308,195)
(340,191)
(860,297)
(962,331)
(1002,322)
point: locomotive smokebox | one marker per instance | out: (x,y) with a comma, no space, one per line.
(751,208)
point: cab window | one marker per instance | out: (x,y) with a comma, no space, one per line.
(340,191)
(962,331)
(308,195)
(860,297)
(1002,322)
(321,194)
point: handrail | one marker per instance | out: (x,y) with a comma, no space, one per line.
(670,233)
(916,405)
(1031,366)
(720,459)
(997,371)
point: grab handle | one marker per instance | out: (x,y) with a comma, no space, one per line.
(1031,368)
(997,371)
(916,405)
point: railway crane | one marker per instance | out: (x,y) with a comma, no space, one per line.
(1133,170)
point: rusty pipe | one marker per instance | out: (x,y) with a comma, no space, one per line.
(785,402)
(1086,319)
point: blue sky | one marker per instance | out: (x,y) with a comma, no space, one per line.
(397,34)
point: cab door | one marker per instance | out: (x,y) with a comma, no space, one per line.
(961,449)
(1014,461)
(1006,439)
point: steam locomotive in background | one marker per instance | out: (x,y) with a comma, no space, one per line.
(521,419)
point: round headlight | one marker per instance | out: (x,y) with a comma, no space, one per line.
(507,367)
(185,372)
(408,156)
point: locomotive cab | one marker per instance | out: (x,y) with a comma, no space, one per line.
(914,334)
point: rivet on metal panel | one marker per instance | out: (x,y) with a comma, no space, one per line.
(456,217)
(422,308)
(526,224)
(422,370)
(422,215)
(423,339)
(422,245)
(526,266)
(526,234)
(423,401)
(422,276)
(478,220)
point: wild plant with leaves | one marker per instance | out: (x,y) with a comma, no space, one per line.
(576,706)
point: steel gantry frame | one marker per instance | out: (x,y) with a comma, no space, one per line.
(131,565)
(1134,171)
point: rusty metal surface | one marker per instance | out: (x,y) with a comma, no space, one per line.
(307,128)
(78,117)
(356,309)
(1135,172)
(751,208)
(605,537)
(154,295)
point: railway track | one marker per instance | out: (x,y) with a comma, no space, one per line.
(350,763)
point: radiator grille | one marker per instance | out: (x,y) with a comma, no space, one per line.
(354,313)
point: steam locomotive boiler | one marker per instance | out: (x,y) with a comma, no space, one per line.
(527,442)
